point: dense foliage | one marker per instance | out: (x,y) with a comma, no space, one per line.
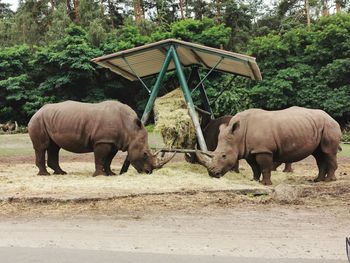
(46,48)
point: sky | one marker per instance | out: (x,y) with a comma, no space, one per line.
(14,4)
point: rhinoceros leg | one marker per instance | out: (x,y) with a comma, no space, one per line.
(332,165)
(275,165)
(235,168)
(256,169)
(107,165)
(53,159)
(288,168)
(101,152)
(265,162)
(322,166)
(40,161)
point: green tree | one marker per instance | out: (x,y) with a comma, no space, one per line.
(64,70)
(15,83)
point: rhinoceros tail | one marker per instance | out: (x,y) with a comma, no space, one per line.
(339,148)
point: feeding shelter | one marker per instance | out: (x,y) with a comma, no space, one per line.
(157,58)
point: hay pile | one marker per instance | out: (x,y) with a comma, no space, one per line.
(173,121)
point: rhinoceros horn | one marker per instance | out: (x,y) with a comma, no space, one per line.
(204,158)
(159,162)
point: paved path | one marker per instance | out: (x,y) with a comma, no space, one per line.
(227,235)
(59,255)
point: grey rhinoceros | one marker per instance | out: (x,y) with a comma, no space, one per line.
(103,128)
(211,129)
(263,137)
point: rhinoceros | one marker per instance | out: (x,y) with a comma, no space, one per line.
(263,137)
(211,134)
(103,128)
(9,126)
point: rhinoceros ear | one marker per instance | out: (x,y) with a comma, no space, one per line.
(138,123)
(234,125)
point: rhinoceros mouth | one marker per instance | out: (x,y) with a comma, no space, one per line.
(216,174)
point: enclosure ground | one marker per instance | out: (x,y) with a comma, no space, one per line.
(177,186)
(176,210)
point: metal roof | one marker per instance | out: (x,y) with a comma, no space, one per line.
(147,60)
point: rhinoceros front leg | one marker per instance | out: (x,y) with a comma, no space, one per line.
(256,169)
(40,161)
(101,152)
(265,162)
(52,158)
(107,165)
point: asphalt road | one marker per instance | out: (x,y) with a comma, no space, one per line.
(241,234)
(59,255)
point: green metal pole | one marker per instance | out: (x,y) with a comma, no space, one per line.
(156,86)
(151,99)
(188,98)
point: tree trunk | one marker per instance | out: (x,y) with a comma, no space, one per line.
(137,10)
(218,11)
(75,8)
(181,4)
(307,13)
(337,6)
(111,12)
(325,11)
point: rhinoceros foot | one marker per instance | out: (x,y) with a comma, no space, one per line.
(96,173)
(266,182)
(43,173)
(330,178)
(319,179)
(60,172)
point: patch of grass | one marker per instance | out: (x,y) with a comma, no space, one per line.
(15,144)
(345,150)
(150,128)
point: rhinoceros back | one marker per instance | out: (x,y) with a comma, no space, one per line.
(77,127)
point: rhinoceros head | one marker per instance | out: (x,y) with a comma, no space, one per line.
(225,156)
(140,155)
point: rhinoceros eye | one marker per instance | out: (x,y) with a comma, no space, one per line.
(224,156)
(145,156)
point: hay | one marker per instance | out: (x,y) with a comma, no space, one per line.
(173,121)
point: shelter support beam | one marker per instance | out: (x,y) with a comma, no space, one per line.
(152,98)
(189,101)
(204,96)
(155,89)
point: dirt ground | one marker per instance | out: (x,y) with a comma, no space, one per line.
(297,217)
(22,192)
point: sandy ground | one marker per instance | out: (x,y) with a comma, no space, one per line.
(178,209)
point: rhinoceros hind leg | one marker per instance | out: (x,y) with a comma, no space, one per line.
(332,166)
(322,166)
(53,159)
(107,165)
(288,168)
(101,153)
(265,162)
(40,162)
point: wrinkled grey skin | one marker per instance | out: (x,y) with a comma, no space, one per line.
(263,137)
(103,128)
